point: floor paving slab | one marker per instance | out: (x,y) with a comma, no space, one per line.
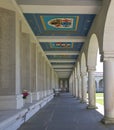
(64,112)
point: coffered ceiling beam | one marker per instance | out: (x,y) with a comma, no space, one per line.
(62,66)
(61,39)
(62,52)
(62,61)
(63,70)
(60,7)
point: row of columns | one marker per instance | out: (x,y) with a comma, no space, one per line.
(78,87)
(23,65)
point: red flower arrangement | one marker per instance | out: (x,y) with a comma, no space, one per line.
(25,94)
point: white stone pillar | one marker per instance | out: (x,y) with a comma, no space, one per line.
(37,73)
(73,91)
(108,91)
(76,86)
(25,65)
(40,76)
(51,82)
(91,88)
(48,79)
(33,72)
(71,82)
(84,87)
(10,93)
(79,88)
(45,84)
(42,71)
(50,88)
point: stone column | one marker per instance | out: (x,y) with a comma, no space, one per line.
(10,93)
(48,79)
(49,91)
(51,86)
(52,80)
(25,66)
(108,66)
(84,87)
(37,73)
(45,79)
(91,88)
(73,80)
(40,76)
(33,71)
(76,85)
(79,88)
(71,84)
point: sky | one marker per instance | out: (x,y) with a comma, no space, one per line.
(99,67)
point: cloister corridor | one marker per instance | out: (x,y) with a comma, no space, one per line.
(48,64)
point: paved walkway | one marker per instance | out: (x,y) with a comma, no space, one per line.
(66,113)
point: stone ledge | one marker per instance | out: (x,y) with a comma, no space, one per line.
(13,119)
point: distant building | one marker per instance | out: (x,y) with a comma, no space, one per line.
(99,81)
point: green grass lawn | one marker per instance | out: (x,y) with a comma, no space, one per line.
(99,94)
(99,98)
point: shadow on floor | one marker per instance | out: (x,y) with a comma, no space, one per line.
(64,112)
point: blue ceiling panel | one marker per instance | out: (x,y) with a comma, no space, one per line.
(62,56)
(61,46)
(60,24)
(71,63)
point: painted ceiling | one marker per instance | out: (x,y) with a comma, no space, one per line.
(60,46)
(60,25)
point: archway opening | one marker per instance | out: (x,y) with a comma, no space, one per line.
(93,62)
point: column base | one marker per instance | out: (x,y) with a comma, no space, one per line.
(11,102)
(83,101)
(107,120)
(45,93)
(35,96)
(29,98)
(92,107)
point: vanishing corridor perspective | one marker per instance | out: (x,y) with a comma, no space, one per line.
(49,48)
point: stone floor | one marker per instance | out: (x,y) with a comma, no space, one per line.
(66,113)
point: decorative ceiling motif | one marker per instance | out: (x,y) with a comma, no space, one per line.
(61,54)
(60,24)
(59,46)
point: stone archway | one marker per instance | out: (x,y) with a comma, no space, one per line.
(92,51)
(91,64)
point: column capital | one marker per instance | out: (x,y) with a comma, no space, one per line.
(91,68)
(83,74)
(107,56)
